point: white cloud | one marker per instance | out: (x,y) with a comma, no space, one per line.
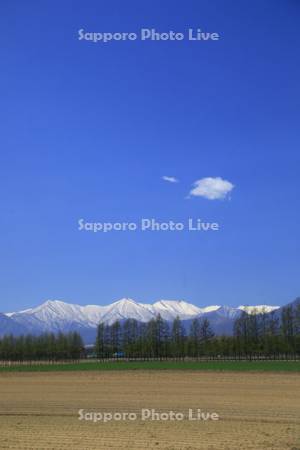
(170,179)
(212,188)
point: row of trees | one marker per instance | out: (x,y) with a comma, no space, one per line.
(264,333)
(269,332)
(156,338)
(153,339)
(46,346)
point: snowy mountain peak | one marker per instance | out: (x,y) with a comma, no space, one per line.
(125,301)
(177,305)
(56,315)
(48,304)
(54,307)
(126,308)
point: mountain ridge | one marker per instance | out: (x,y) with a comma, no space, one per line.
(57,315)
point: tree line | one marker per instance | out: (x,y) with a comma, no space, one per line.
(156,338)
(268,332)
(262,334)
(48,346)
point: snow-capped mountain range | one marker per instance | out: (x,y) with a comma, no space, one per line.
(56,315)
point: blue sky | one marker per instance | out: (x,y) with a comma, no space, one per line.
(88,130)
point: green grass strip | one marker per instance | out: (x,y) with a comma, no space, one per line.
(242,366)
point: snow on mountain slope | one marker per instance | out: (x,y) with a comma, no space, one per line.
(127,308)
(9,326)
(55,315)
(169,309)
(208,309)
(94,313)
(258,309)
(228,312)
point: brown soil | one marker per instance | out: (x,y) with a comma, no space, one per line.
(257,410)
